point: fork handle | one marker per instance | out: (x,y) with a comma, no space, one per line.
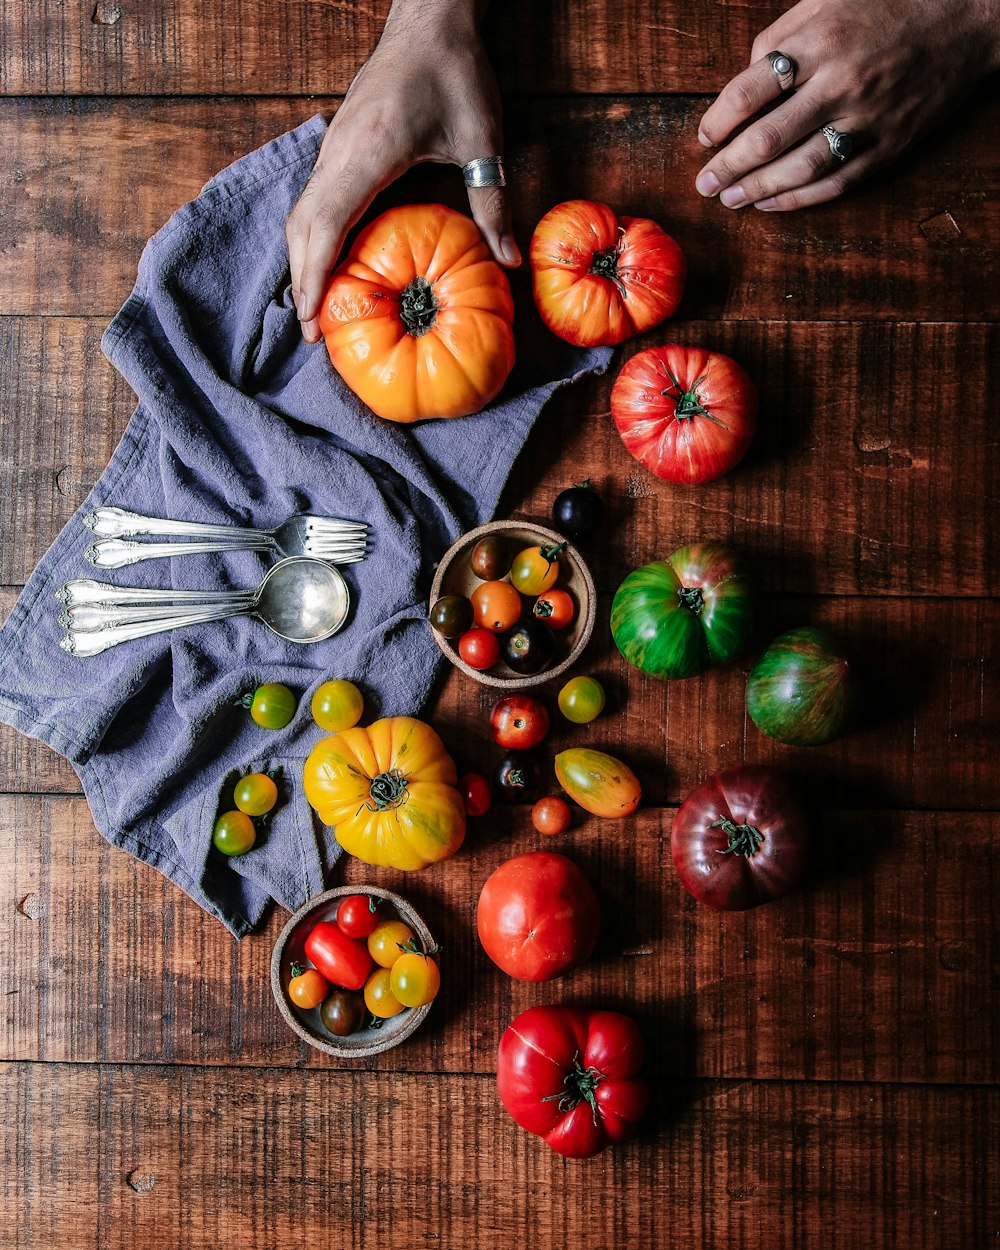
(85,590)
(120,523)
(93,642)
(117,553)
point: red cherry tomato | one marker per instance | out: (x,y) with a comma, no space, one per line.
(551,815)
(479,648)
(555,607)
(476,794)
(357,915)
(343,960)
(518,722)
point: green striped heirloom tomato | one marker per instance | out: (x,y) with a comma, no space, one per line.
(800,690)
(680,616)
(601,784)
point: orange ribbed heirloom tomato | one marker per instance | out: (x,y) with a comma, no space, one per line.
(418,319)
(599,279)
(390,793)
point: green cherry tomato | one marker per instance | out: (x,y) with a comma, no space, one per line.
(581,700)
(234,833)
(255,794)
(535,569)
(414,979)
(272,705)
(337,705)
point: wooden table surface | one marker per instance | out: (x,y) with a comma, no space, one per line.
(825,1069)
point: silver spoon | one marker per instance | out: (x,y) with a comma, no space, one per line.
(300,599)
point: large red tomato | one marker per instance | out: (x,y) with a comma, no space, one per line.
(598,279)
(571,1076)
(741,839)
(686,413)
(417,320)
(538,916)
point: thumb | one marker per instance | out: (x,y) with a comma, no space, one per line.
(491,212)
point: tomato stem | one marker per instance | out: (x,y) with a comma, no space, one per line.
(388,790)
(688,403)
(743,839)
(551,554)
(691,597)
(296,970)
(604,264)
(580,1084)
(418,306)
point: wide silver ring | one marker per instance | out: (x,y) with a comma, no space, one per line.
(784,69)
(484,171)
(841,144)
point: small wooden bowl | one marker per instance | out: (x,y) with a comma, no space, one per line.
(290,949)
(455,577)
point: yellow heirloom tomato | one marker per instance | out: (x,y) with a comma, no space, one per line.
(389,791)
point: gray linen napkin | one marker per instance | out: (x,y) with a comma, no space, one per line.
(239,421)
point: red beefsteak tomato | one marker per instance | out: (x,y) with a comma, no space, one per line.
(538,916)
(571,1076)
(599,279)
(741,839)
(686,413)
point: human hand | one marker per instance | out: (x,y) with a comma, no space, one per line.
(881,73)
(427,93)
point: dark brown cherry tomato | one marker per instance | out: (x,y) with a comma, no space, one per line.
(518,722)
(357,915)
(343,1012)
(551,815)
(479,648)
(496,606)
(555,607)
(529,648)
(490,559)
(477,797)
(451,615)
(517,777)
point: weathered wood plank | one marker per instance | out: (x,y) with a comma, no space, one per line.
(877,495)
(117,47)
(93,178)
(211,1159)
(882,969)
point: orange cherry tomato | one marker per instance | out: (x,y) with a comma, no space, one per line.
(307,988)
(551,815)
(496,606)
(379,998)
(555,607)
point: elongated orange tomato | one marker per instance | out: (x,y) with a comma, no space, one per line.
(418,319)
(390,793)
(600,279)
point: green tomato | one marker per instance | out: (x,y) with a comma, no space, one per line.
(255,794)
(337,705)
(272,705)
(800,691)
(582,700)
(234,833)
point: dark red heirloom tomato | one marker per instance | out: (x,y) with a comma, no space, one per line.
(538,916)
(599,278)
(518,722)
(686,413)
(570,1075)
(741,839)
(344,961)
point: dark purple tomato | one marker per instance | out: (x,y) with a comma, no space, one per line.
(529,648)
(343,1012)
(451,616)
(517,777)
(800,690)
(578,511)
(491,558)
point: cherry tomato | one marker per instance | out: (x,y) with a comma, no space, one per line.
(337,705)
(379,998)
(517,777)
(581,700)
(272,705)
(479,649)
(414,979)
(343,1012)
(496,606)
(555,608)
(307,988)
(535,569)
(344,961)
(451,615)
(529,648)
(357,915)
(234,833)
(551,815)
(577,511)
(385,941)
(477,796)
(255,794)
(518,722)
(490,559)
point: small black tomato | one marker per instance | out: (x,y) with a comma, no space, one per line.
(517,777)
(451,615)
(529,648)
(578,510)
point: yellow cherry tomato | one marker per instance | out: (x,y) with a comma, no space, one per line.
(337,705)
(414,979)
(385,941)
(255,794)
(535,569)
(307,988)
(234,833)
(379,998)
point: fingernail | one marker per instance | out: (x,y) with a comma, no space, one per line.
(706,183)
(704,140)
(510,251)
(733,197)
(310,331)
(766,204)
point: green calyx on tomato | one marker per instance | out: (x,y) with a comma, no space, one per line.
(580,1084)
(271,705)
(418,306)
(689,403)
(743,839)
(387,791)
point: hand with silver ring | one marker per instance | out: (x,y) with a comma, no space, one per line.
(837,89)
(427,93)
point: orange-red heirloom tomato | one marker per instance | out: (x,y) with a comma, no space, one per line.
(417,320)
(599,278)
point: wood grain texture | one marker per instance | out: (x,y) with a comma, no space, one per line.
(861,976)
(191,1158)
(93,178)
